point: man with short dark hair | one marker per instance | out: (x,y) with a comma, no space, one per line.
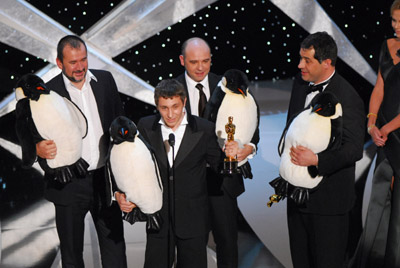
(183,173)
(96,94)
(318,230)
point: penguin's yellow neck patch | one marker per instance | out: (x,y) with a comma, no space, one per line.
(19,93)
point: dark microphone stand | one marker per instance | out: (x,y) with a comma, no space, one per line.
(171,195)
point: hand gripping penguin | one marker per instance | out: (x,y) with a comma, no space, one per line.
(233,98)
(133,166)
(42,114)
(318,128)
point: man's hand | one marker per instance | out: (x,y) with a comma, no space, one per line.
(124,205)
(46,149)
(303,156)
(232,149)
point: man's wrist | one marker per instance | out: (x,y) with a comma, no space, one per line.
(253,151)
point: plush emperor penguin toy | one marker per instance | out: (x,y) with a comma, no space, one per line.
(319,128)
(42,114)
(133,167)
(233,98)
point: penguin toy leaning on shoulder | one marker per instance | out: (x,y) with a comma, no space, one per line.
(42,114)
(318,128)
(232,98)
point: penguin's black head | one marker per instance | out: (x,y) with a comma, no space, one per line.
(236,81)
(122,129)
(32,86)
(324,104)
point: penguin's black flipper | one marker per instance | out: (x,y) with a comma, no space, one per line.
(336,133)
(110,186)
(256,137)
(281,143)
(154,222)
(281,186)
(211,111)
(80,167)
(313,171)
(245,169)
(23,126)
(134,216)
(300,195)
(64,175)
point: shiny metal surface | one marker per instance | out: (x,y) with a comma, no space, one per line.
(22,26)
(136,20)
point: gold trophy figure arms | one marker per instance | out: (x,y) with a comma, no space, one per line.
(230,162)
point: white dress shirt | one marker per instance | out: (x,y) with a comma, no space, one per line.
(179,132)
(193,92)
(85,100)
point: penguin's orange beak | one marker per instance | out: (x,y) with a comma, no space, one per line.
(316,108)
(39,88)
(242,92)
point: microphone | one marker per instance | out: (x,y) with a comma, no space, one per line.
(171,139)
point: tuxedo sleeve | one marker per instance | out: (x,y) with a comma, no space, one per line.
(214,154)
(118,107)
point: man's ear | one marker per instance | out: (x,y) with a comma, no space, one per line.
(327,63)
(59,63)
(182,60)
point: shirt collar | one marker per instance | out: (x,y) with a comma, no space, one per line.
(311,83)
(192,84)
(88,78)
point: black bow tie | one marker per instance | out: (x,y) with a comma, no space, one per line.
(319,87)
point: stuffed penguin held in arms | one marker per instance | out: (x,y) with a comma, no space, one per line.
(318,128)
(42,114)
(132,165)
(233,98)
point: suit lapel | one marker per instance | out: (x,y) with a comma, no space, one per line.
(331,86)
(189,141)
(100,98)
(213,81)
(60,88)
(155,137)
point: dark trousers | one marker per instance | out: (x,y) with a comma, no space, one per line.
(223,215)
(70,221)
(191,252)
(317,241)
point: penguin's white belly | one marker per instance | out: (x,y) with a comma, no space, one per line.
(309,130)
(135,174)
(244,112)
(54,120)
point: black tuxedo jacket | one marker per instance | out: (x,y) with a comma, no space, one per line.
(335,194)
(109,106)
(198,147)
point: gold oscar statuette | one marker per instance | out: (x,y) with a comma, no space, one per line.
(230,162)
